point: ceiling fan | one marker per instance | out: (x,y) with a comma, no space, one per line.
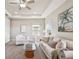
(23,3)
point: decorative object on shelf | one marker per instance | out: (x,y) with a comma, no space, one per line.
(65,21)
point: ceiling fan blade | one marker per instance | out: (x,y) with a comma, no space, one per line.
(31,1)
(28,7)
(14,3)
(19,7)
(24,0)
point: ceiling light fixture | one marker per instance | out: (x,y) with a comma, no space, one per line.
(22,5)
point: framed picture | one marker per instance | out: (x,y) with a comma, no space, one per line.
(23,28)
(65,21)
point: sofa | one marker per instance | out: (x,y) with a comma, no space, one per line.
(56,50)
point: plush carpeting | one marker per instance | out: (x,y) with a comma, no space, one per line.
(17,52)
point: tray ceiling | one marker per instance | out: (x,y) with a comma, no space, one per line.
(37,8)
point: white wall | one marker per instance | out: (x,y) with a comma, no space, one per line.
(7,29)
(53,21)
(15,26)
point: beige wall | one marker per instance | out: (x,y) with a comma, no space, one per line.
(15,26)
(53,21)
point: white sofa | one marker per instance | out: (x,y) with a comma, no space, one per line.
(48,50)
(20,39)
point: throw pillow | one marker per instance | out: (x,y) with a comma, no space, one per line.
(61,45)
(52,43)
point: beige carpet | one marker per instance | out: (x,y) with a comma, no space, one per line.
(16,52)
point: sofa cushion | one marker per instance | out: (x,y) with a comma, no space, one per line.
(61,45)
(69,45)
(53,42)
(46,48)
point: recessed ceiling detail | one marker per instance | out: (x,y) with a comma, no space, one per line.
(23,3)
(34,7)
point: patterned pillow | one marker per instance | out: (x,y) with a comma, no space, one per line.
(61,45)
(52,43)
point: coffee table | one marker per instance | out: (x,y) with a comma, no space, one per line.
(29,49)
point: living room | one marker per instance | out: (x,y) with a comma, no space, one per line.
(35,25)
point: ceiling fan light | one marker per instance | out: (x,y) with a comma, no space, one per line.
(22,5)
(28,0)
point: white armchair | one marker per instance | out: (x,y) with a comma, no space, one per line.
(20,39)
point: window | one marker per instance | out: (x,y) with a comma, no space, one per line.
(36,30)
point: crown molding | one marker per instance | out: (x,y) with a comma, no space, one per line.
(21,17)
(25,17)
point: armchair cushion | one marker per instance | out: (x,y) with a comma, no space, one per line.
(20,39)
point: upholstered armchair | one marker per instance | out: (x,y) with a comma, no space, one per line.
(20,39)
